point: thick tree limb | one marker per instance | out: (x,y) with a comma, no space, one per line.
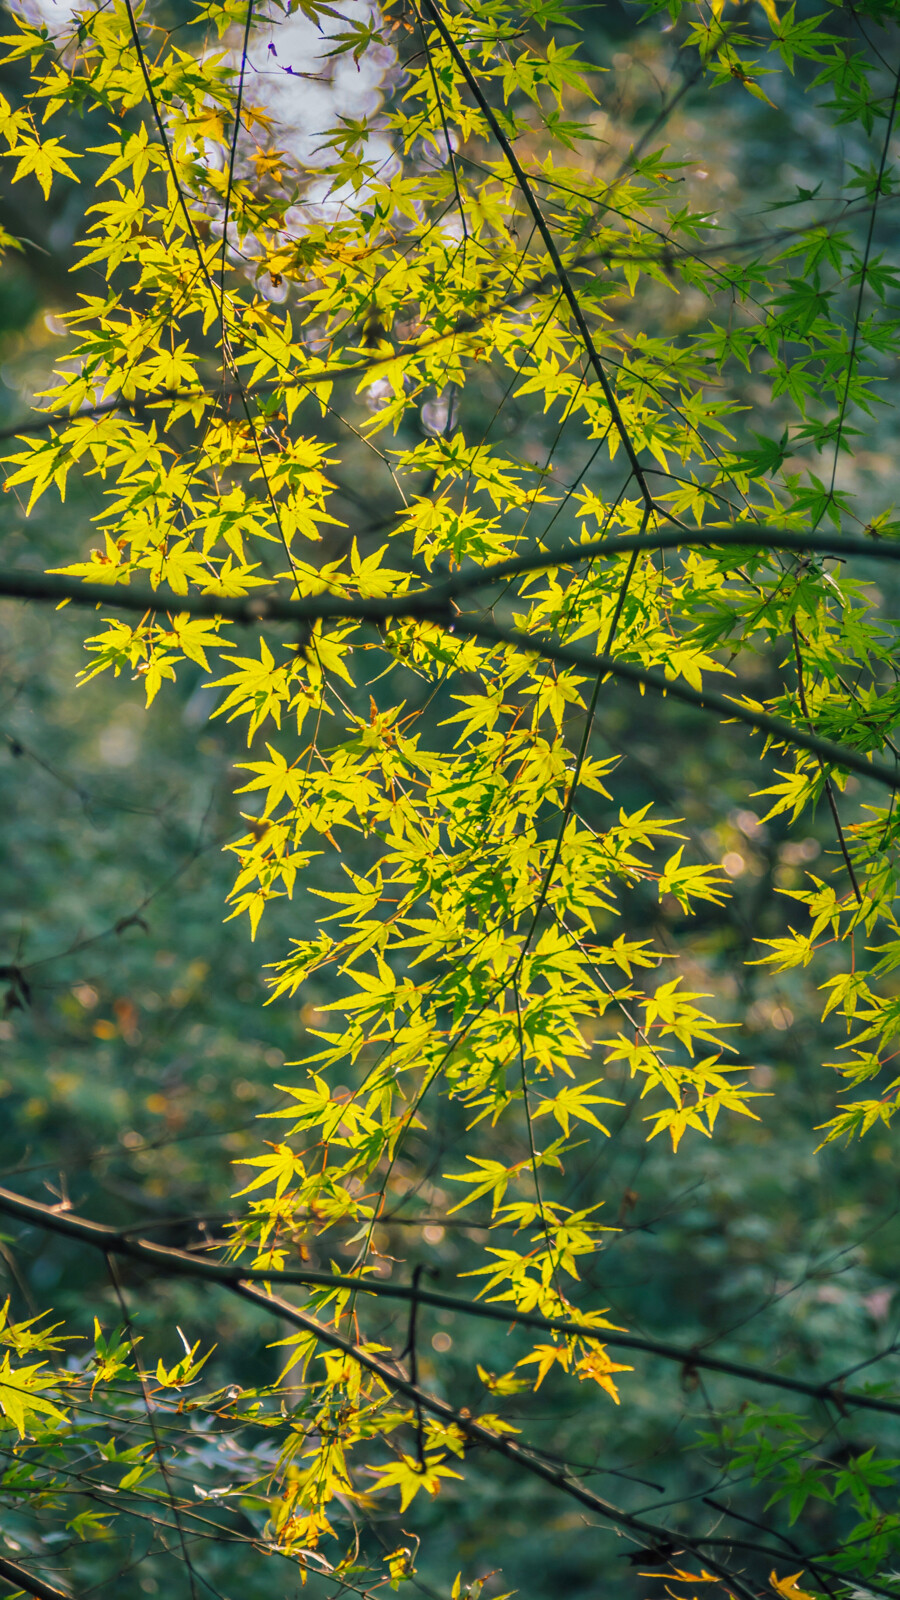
(268,605)
(704,699)
(437,604)
(747,536)
(167,1261)
(21,1579)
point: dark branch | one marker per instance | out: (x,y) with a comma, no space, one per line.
(269,606)
(540,222)
(650,1534)
(703,699)
(436,604)
(170,1262)
(746,536)
(20,1579)
(106,1239)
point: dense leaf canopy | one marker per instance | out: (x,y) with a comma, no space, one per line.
(470,429)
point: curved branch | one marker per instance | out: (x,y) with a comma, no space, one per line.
(435,604)
(702,699)
(748,536)
(171,1262)
(270,606)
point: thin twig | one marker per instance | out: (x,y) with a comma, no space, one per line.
(829,786)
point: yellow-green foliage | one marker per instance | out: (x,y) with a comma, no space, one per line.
(474,944)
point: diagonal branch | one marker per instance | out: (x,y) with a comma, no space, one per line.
(20,1578)
(863,274)
(652,1536)
(648,1534)
(540,221)
(435,604)
(829,786)
(166,1261)
(702,699)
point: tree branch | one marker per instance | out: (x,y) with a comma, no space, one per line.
(540,223)
(435,604)
(20,1579)
(703,699)
(748,536)
(270,606)
(170,1262)
(650,1534)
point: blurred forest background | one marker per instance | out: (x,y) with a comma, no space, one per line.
(135,1047)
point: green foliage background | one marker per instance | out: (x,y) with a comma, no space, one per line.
(137,1051)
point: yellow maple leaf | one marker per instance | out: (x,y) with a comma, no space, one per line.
(43,160)
(787,1587)
(407,1476)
